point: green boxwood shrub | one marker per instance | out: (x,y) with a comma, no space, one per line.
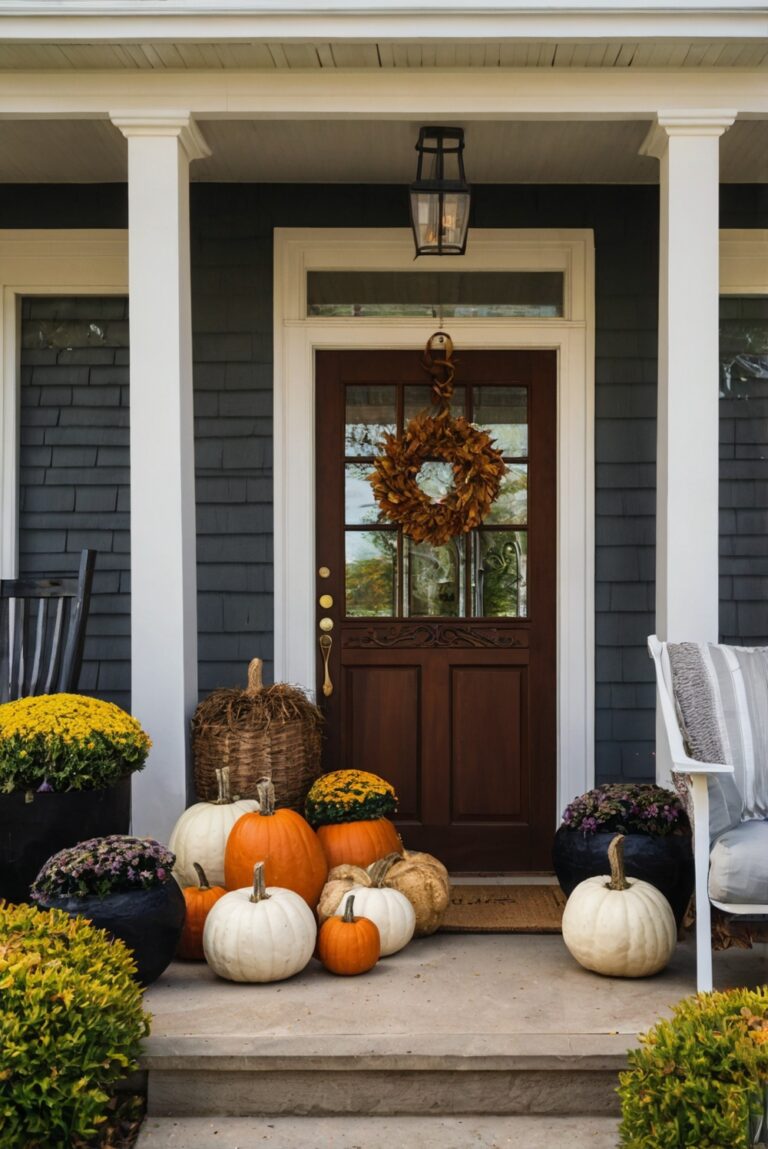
(698,1076)
(71,1020)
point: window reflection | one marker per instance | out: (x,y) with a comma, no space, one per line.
(371,573)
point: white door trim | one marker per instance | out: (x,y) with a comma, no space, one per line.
(297,337)
(42,262)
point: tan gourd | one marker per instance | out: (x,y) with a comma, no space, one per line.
(619,927)
(424,881)
(201,833)
(422,878)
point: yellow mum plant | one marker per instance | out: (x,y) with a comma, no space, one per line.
(67,742)
(349,796)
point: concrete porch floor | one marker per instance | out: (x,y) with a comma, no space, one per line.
(460,1040)
(453,992)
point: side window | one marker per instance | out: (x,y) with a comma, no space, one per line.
(744,469)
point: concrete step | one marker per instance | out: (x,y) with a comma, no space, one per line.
(421,1075)
(379,1133)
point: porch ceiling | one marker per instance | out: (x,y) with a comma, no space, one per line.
(349,151)
(169,55)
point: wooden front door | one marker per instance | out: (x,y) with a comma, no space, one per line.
(442,659)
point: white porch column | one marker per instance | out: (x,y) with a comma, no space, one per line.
(163,575)
(687,433)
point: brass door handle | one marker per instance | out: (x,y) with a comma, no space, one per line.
(326,642)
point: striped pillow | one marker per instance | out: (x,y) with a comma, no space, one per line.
(721,694)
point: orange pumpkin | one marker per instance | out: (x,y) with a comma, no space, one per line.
(359,843)
(287,845)
(199,900)
(348,945)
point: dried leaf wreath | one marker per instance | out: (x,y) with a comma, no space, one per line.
(477,467)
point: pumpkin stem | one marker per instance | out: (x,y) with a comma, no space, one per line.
(616,859)
(349,909)
(255,684)
(224,797)
(259,889)
(266,792)
(204,883)
(377,871)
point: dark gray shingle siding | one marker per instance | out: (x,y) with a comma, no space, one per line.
(74,470)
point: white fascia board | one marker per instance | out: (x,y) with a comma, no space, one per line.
(531,94)
(389,20)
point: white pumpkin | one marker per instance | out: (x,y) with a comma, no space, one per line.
(390,910)
(259,935)
(200,835)
(617,926)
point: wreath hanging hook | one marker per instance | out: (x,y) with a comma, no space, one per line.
(442,369)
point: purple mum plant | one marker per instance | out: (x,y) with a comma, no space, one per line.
(104,866)
(644,809)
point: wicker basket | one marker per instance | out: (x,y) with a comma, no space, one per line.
(260,732)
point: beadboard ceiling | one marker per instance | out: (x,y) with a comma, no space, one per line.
(217,56)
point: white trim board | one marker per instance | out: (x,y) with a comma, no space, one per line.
(297,338)
(273,20)
(37,262)
(384,94)
(744,262)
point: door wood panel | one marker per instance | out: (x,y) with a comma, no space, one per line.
(382,714)
(488,743)
(444,663)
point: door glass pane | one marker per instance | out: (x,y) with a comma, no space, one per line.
(371,573)
(418,399)
(499,583)
(511,506)
(435,479)
(434,578)
(503,412)
(370,412)
(359,503)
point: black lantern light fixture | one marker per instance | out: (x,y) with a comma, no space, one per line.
(440,196)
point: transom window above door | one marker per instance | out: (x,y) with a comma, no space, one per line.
(478,575)
(435,294)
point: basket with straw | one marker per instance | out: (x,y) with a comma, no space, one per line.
(260,732)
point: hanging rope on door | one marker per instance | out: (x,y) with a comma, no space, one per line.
(435,504)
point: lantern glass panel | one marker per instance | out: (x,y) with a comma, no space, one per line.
(440,221)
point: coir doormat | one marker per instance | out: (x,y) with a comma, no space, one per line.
(486,909)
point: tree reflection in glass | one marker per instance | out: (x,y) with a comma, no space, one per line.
(371,573)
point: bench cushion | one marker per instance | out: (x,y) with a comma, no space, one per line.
(721,693)
(738,865)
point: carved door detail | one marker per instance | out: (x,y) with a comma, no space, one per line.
(442,659)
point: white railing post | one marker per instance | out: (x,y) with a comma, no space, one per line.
(687,146)
(163,574)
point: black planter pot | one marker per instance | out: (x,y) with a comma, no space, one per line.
(148,921)
(30,832)
(665,862)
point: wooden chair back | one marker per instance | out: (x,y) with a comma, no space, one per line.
(42,632)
